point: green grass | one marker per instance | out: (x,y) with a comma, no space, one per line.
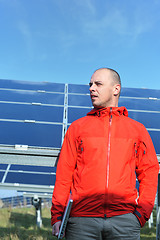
(20,223)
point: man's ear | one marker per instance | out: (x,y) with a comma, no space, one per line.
(117,89)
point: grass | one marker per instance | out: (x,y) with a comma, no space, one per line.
(20,223)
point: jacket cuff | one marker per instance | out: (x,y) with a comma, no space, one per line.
(140,218)
(54,220)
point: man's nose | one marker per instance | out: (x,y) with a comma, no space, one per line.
(92,88)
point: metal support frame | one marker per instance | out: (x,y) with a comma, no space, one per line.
(65,113)
(30,156)
(150,221)
(36,201)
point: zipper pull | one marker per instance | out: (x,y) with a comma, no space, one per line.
(110,115)
(81,146)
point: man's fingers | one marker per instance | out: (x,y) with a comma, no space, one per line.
(55,229)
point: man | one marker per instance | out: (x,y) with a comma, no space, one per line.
(101,157)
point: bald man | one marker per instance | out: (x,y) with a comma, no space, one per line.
(102,155)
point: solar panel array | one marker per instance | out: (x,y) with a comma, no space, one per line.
(35,117)
(31,113)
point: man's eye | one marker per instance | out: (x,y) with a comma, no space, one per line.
(98,84)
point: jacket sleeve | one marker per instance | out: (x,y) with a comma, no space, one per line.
(147,168)
(65,168)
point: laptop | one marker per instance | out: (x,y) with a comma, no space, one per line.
(65,219)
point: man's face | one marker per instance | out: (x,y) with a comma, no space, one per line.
(101,89)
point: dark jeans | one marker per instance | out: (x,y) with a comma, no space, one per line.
(122,227)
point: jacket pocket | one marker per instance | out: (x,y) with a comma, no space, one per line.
(80,160)
(140,151)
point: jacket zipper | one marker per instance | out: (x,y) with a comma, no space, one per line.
(109,144)
(108,155)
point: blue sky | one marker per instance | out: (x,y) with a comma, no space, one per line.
(64,41)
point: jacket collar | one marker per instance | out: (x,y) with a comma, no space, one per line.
(106,111)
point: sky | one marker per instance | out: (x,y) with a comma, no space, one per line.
(65,41)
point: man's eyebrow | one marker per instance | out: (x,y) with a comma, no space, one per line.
(96,81)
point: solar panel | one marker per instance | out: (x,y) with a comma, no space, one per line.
(140,92)
(155,135)
(31,97)
(28,176)
(31,134)
(148,119)
(31,168)
(143,106)
(35,86)
(16,201)
(140,104)
(76,113)
(34,118)
(1,176)
(77,88)
(3,166)
(31,112)
(79,100)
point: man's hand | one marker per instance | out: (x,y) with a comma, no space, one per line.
(55,228)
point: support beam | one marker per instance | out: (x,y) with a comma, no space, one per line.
(36,201)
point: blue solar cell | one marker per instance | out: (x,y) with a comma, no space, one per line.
(1,175)
(149,120)
(140,104)
(30,97)
(155,135)
(32,134)
(77,88)
(30,178)
(32,112)
(76,113)
(3,166)
(31,168)
(79,100)
(46,86)
(139,92)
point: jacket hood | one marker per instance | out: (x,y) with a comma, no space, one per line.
(106,111)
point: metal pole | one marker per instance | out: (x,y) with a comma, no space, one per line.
(150,221)
(36,201)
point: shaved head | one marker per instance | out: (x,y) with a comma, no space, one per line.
(114,75)
(105,86)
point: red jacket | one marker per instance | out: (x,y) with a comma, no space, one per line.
(101,156)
